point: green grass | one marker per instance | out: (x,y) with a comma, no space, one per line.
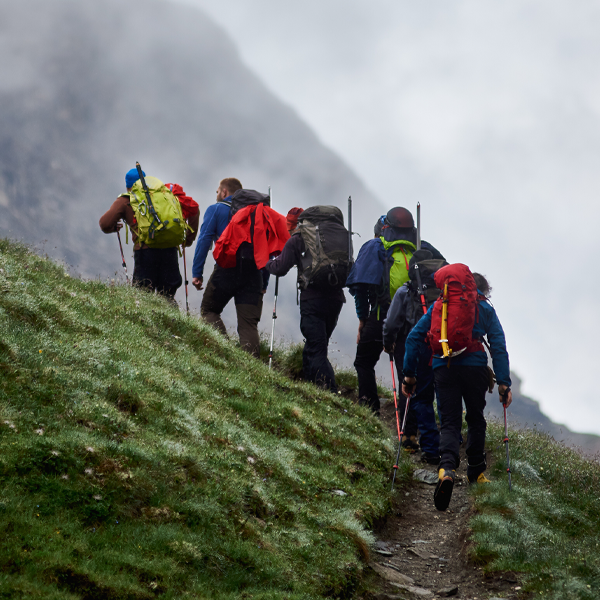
(143,455)
(547,527)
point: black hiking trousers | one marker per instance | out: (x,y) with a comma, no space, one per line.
(157,269)
(453,385)
(318,318)
(368,352)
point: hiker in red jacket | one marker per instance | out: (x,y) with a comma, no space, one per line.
(254,232)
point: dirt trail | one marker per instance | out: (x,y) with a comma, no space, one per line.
(431,547)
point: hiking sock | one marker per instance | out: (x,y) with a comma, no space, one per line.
(443,489)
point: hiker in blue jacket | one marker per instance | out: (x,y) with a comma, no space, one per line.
(373,285)
(248,294)
(464,377)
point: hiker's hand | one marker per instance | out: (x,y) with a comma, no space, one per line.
(389,349)
(118,226)
(361,324)
(264,292)
(409,385)
(197,283)
(505,398)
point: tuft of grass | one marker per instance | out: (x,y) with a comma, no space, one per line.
(547,527)
(144,455)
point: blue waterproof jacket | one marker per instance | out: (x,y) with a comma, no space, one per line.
(487,324)
(216,219)
(368,272)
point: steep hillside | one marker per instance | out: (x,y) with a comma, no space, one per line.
(142,455)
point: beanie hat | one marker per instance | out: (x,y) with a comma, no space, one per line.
(292,218)
(131,177)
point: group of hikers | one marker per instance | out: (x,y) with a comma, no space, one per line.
(432,318)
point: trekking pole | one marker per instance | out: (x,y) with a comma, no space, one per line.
(274,304)
(350,249)
(418,225)
(123,256)
(187,305)
(507,454)
(149,200)
(400,430)
(420,290)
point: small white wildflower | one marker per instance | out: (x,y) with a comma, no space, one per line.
(97,497)
(251,460)
(89,471)
(90,449)
(39,431)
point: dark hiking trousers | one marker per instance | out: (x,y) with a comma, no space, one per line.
(368,351)
(318,318)
(157,269)
(422,404)
(244,284)
(454,385)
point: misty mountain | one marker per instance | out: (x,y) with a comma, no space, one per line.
(90,86)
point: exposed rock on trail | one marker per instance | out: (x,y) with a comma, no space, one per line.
(423,553)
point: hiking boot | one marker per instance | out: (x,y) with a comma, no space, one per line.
(443,489)
(480,479)
(430,459)
(410,444)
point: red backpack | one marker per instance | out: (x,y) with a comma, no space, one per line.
(462,299)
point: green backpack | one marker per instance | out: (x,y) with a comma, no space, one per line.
(398,263)
(169,229)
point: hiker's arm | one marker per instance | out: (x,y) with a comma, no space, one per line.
(193,222)
(497,341)
(208,234)
(109,221)
(289,257)
(360,291)
(265,279)
(395,319)
(436,253)
(505,397)
(415,343)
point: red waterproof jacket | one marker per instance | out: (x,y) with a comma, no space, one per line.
(189,207)
(268,239)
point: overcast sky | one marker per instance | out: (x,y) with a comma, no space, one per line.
(488,114)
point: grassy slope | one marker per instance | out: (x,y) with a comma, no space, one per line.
(143,455)
(547,527)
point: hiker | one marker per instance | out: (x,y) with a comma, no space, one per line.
(254,232)
(321,289)
(454,327)
(156,261)
(405,311)
(381,268)
(292,219)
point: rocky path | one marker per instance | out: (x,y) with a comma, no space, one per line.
(423,553)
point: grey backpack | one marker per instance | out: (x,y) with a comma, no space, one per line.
(326,263)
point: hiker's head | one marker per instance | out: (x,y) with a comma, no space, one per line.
(399,225)
(482,284)
(379,226)
(131,177)
(292,218)
(227,187)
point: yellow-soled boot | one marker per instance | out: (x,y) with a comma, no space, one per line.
(443,489)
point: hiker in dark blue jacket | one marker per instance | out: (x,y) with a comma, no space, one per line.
(464,377)
(370,283)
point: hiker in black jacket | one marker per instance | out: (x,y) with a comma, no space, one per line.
(320,305)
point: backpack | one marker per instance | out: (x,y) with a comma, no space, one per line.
(169,230)
(396,266)
(426,269)
(242,198)
(458,307)
(326,261)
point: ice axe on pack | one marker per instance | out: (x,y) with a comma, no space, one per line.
(151,209)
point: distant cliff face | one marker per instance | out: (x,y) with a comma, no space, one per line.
(525,412)
(88,87)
